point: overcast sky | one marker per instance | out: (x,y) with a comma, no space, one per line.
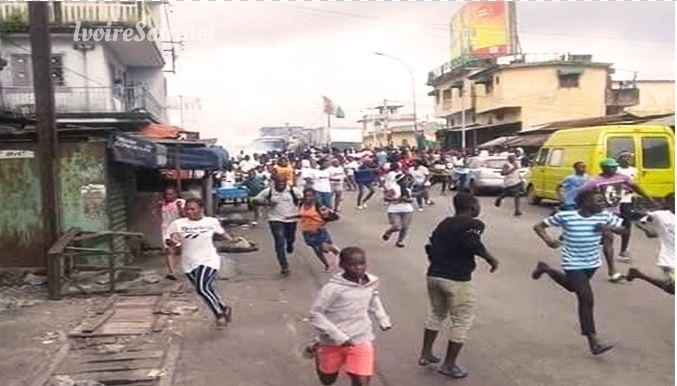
(270,63)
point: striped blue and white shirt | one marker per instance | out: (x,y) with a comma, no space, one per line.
(581,248)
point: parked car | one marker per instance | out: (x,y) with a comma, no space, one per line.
(485,174)
(653,147)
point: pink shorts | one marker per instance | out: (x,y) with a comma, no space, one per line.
(358,359)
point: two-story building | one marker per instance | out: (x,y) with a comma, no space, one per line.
(105,81)
(503,96)
(388,127)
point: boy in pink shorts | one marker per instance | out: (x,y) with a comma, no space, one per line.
(341,313)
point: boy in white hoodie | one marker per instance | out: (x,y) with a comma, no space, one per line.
(341,312)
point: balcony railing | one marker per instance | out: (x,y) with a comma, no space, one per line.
(99,13)
(21,100)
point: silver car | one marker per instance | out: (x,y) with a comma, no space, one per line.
(485,174)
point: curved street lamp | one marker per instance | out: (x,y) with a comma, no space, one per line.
(413,85)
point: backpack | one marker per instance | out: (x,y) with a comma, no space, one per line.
(295,199)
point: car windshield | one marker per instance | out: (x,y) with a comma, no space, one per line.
(493,163)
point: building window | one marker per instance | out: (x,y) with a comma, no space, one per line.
(569,80)
(489,88)
(497,80)
(22,71)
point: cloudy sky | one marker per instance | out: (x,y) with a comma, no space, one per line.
(271,62)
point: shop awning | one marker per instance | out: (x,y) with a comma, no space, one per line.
(197,158)
(485,79)
(500,141)
(570,71)
(135,151)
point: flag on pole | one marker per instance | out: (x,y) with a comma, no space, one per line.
(328,106)
(340,113)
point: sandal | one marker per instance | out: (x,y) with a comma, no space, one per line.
(428,361)
(456,372)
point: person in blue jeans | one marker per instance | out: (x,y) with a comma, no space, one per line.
(365,176)
(282,201)
(322,184)
(569,187)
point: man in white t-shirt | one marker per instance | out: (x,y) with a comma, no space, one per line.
(660,224)
(322,184)
(625,162)
(512,183)
(199,259)
(337,176)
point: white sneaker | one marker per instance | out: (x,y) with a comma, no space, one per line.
(364,206)
(420,209)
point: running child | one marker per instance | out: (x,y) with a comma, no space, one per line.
(199,259)
(342,314)
(400,209)
(582,233)
(660,224)
(313,219)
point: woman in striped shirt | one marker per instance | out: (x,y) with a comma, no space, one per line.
(582,231)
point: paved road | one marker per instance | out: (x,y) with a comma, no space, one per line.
(526,332)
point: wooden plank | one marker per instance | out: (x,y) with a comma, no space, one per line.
(160,323)
(95,235)
(107,304)
(123,356)
(117,377)
(82,249)
(92,324)
(102,367)
(63,241)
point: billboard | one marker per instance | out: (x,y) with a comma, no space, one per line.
(482,29)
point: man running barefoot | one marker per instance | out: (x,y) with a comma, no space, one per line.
(582,233)
(660,224)
(454,244)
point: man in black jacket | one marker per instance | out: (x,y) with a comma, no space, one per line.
(454,244)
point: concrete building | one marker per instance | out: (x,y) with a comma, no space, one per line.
(185,112)
(96,82)
(389,127)
(655,97)
(503,96)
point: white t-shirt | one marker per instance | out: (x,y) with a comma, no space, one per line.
(197,247)
(304,175)
(513,178)
(398,207)
(284,200)
(321,181)
(663,221)
(419,174)
(630,172)
(336,174)
(351,167)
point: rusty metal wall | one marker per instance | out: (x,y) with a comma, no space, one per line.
(82,199)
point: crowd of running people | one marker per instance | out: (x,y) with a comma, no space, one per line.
(306,190)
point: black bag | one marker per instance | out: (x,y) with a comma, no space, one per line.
(329,215)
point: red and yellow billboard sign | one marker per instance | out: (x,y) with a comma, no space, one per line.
(481,29)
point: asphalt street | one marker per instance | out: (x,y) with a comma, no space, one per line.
(526,332)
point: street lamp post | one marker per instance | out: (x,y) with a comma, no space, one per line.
(413,86)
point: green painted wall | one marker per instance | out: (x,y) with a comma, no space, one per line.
(20,202)
(82,200)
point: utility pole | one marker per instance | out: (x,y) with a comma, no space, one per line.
(47,144)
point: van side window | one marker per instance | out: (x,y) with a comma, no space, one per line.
(542,157)
(556,157)
(655,153)
(616,145)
